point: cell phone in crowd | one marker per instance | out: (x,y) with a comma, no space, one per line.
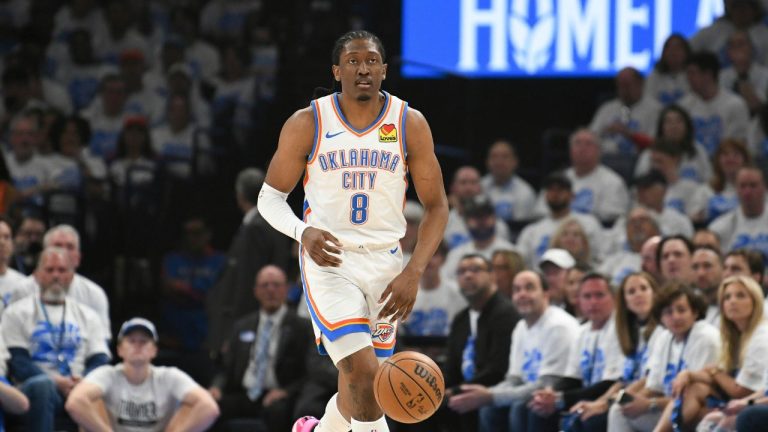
(624,398)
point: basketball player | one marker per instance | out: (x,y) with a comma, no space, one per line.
(356,147)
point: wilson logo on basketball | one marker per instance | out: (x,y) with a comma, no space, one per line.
(429,379)
(383,331)
(388,133)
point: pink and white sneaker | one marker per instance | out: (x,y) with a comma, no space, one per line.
(305,424)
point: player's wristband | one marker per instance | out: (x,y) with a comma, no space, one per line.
(273,207)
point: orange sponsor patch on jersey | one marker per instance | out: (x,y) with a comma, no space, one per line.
(388,133)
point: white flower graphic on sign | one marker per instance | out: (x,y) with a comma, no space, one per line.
(532,43)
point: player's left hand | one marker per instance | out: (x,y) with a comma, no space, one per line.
(402,295)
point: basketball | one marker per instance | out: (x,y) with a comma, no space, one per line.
(409,387)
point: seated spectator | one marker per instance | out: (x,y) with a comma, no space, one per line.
(747,225)
(554,267)
(10,279)
(513,197)
(757,137)
(649,253)
(188,275)
(741,365)
(687,344)
(179,80)
(674,259)
(638,331)
(224,19)
(744,262)
(573,279)
(78,69)
(262,373)
(201,56)
(705,237)
(79,14)
(595,362)
(437,301)
(684,195)
(716,112)
(729,158)
(31,175)
(235,95)
(143,99)
(676,127)
(180,143)
(134,165)
(265,52)
(506,265)
(13,400)
(744,15)
(597,189)
(571,237)
(626,123)
(121,34)
(466,184)
(708,272)
(638,228)
(28,243)
(540,347)
(70,137)
(138,395)
(667,82)
(479,340)
(745,77)
(18,92)
(481,222)
(53,340)
(557,194)
(651,190)
(106,115)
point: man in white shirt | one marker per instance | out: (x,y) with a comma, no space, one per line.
(137,395)
(541,343)
(54,340)
(513,197)
(747,225)
(106,115)
(674,259)
(628,121)
(437,302)
(30,174)
(651,190)
(708,271)
(554,267)
(481,222)
(716,112)
(597,189)
(595,362)
(464,186)
(557,195)
(639,226)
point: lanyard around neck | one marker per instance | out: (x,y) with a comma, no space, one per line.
(56,346)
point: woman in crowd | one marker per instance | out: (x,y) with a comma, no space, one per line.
(731,155)
(741,364)
(506,265)
(676,126)
(570,235)
(637,330)
(667,82)
(687,342)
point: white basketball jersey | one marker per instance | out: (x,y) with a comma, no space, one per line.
(355,182)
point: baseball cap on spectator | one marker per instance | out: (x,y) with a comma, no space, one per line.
(413,211)
(557,179)
(651,178)
(559,257)
(138,323)
(478,206)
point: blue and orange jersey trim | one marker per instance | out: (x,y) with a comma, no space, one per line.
(403,147)
(318,132)
(331,330)
(372,126)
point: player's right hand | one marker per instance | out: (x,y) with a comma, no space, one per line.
(320,244)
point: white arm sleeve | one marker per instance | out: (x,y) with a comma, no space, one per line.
(275,210)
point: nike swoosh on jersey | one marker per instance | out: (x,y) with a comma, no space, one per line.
(393,251)
(329,135)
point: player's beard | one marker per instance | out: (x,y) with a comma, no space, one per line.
(363,97)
